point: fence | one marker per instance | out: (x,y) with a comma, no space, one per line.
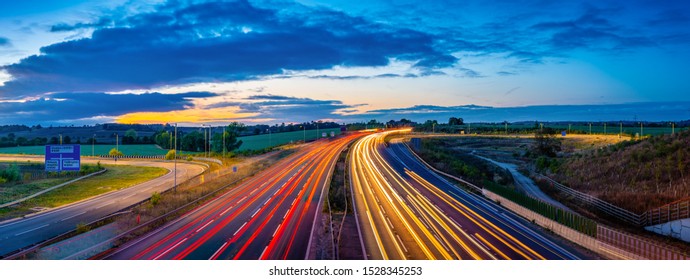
(669,212)
(637,246)
(601,205)
(566,218)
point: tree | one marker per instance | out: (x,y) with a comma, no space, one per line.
(162,139)
(456,121)
(130,137)
(54,140)
(232,132)
(115,153)
(67,140)
(546,144)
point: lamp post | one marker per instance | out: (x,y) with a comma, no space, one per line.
(304,128)
(93,142)
(673,128)
(175,151)
(223,141)
(60,139)
(621,132)
(590,128)
(641,130)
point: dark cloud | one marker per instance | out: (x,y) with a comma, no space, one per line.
(214,41)
(62,107)
(62,27)
(290,109)
(4,42)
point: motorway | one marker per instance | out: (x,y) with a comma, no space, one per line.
(406,211)
(32,229)
(270,216)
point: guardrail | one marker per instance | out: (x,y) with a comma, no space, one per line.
(601,205)
(610,242)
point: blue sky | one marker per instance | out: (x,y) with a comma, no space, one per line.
(193,62)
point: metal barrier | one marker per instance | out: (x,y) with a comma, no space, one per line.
(670,212)
(601,205)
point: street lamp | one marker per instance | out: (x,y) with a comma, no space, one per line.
(673,128)
(304,127)
(60,139)
(93,142)
(175,152)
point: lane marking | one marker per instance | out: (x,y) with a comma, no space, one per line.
(215,255)
(23,232)
(209,222)
(238,230)
(65,219)
(257,211)
(226,211)
(401,243)
(171,248)
(262,253)
(276,231)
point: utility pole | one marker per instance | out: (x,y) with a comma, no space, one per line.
(604,128)
(304,128)
(93,142)
(641,130)
(175,150)
(223,141)
(317,131)
(621,133)
(60,139)
(506,127)
(673,128)
(270,144)
(469,128)
(590,128)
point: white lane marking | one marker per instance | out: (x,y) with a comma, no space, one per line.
(226,211)
(293,202)
(204,226)
(390,223)
(262,253)
(238,230)
(65,219)
(286,214)
(276,193)
(257,211)
(215,255)
(241,200)
(170,249)
(401,243)
(23,232)
(103,205)
(276,231)
(252,192)
(266,201)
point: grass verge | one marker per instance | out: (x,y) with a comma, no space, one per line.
(116,178)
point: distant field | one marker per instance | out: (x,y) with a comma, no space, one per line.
(585,128)
(255,142)
(258,142)
(130,150)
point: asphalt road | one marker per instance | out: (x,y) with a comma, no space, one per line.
(32,229)
(525,183)
(270,216)
(406,211)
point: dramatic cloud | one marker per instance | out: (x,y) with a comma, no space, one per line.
(214,41)
(61,107)
(290,109)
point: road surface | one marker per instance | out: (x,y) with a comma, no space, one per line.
(270,216)
(22,233)
(406,211)
(525,183)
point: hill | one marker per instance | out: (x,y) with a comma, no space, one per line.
(636,175)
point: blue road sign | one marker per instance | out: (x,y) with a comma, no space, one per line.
(63,157)
(563,133)
(234,169)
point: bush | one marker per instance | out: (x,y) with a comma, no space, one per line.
(170,155)
(155,198)
(189,158)
(115,153)
(11,174)
(2,180)
(82,228)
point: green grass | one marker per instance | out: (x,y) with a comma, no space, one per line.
(12,193)
(254,142)
(129,150)
(258,142)
(116,178)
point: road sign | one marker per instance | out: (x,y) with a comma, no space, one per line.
(332,133)
(234,169)
(63,157)
(323,135)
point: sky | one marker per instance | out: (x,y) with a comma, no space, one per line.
(272,61)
